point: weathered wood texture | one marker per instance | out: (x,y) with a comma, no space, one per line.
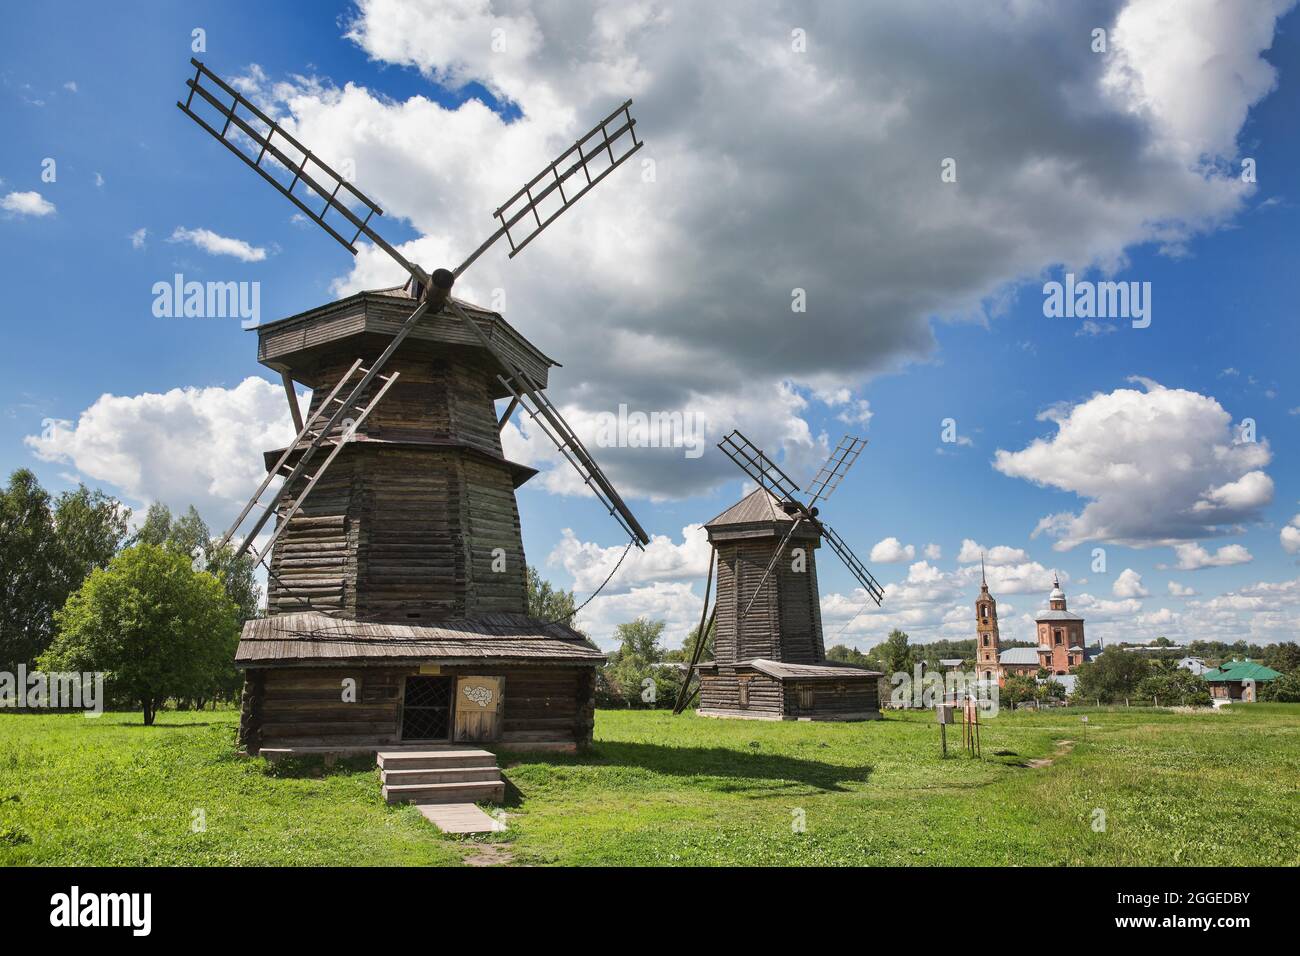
(363,324)
(722,692)
(404,534)
(306,706)
(824,699)
(784,621)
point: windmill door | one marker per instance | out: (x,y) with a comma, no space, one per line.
(426,708)
(478,708)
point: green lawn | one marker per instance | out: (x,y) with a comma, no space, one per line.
(1216,789)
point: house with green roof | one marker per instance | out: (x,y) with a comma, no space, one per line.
(1238,680)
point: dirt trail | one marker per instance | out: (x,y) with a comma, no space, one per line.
(489,854)
(1062,748)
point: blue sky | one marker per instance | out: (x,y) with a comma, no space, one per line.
(966,340)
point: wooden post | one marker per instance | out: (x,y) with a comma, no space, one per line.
(293,401)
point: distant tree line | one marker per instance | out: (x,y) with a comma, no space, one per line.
(158,611)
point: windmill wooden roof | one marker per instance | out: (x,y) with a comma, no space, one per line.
(311,637)
(288,344)
(782,670)
(756,515)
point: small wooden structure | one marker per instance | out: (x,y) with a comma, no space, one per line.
(397,592)
(770,664)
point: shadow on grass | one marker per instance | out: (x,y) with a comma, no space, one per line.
(760,769)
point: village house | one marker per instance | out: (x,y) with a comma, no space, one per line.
(1238,680)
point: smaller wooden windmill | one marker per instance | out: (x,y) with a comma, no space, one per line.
(769,654)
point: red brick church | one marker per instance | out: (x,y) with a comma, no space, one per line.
(1060,650)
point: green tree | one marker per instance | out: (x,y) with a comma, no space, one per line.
(848,655)
(893,653)
(1173,686)
(157,627)
(548,602)
(47,547)
(1283,657)
(190,536)
(640,638)
(1048,690)
(1111,676)
(1283,690)
(1017,689)
(636,662)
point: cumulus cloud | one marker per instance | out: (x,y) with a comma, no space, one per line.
(1290,536)
(662,559)
(217,245)
(892,551)
(1193,557)
(1129,585)
(1157,465)
(1180,590)
(26,204)
(971,552)
(933,552)
(138,238)
(1102,155)
(199,446)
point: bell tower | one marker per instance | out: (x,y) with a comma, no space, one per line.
(986,631)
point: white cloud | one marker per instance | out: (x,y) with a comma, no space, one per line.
(673,602)
(971,552)
(1180,590)
(217,245)
(99,180)
(1157,466)
(27,204)
(930,603)
(138,237)
(662,560)
(1129,585)
(1101,159)
(933,552)
(200,446)
(1193,557)
(892,551)
(1290,536)
(70,86)
(1190,67)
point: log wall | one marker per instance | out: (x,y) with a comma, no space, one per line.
(304,706)
(721,692)
(855,696)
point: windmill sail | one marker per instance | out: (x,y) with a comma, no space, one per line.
(754,462)
(836,467)
(292,156)
(855,566)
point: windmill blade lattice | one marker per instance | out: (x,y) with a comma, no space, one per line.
(836,467)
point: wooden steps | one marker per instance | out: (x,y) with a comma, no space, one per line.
(440,775)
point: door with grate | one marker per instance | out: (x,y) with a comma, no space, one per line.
(426,708)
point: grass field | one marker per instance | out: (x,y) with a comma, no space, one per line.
(1215,789)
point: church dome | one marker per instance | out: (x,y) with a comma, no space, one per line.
(1057,594)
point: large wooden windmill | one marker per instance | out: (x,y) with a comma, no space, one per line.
(769,652)
(396,560)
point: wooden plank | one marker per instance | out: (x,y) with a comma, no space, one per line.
(460,818)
